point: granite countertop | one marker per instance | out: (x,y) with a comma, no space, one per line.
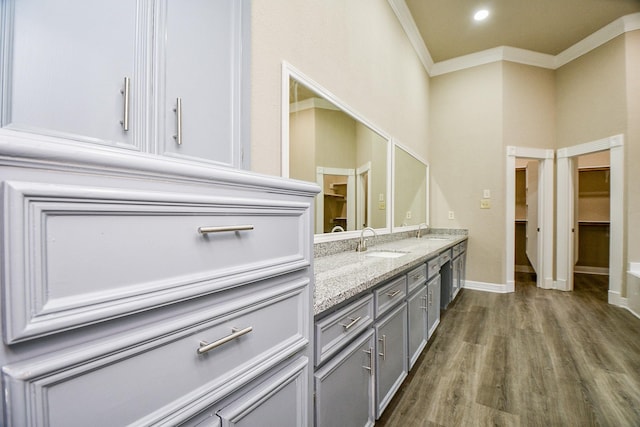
(344,275)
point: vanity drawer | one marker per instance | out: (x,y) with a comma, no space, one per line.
(158,367)
(389,295)
(417,277)
(445,256)
(86,254)
(455,251)
(337,330)
(433,267)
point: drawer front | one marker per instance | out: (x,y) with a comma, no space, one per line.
(455,250)
(158,367)
(389,295)
(463,246)
(82,255)
(417,277)
(445,256)
(336,330)
(433,267)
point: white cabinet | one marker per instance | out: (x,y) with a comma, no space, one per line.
(201,41)
(392,358)
(344,387)
(64,67)
(163,77)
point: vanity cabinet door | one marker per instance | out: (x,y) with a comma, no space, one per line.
(392,356)
(433,304)
(455,277)
(65,66)
(203,59)
(344,386)
(418,328)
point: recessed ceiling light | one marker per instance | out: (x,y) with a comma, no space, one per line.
(481,15)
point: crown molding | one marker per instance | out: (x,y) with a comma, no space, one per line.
(506,53)
(401,10)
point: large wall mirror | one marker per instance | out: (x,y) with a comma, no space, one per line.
(350,161)
(410,190)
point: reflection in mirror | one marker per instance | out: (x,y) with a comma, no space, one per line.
(347,159)
(410,190)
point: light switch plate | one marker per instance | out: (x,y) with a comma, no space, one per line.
(486,194)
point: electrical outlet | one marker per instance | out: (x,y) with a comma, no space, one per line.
(485,204)
(382,205)
(408,214)
(452,215)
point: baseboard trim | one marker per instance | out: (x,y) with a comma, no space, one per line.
(486,287)
(591,270)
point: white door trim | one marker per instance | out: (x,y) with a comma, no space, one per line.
(545,214)
(564,244)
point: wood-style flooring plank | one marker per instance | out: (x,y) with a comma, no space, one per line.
(532,358)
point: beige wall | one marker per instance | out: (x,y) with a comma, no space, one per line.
(302,156)
(355,49)
(632,147)
(466,156)
(591,95)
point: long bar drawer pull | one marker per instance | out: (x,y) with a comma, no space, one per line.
(370,367)
(384,347)
(224,228)
(393,293)
(236,333)
(125,94)
(178,110)
(353,322)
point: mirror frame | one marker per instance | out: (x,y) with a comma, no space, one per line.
(413,154)
(290,72)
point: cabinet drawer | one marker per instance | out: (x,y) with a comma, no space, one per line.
(416,277)
(335,331)
(445,256)
(86,254)
(455,251)
(433,267)
(158,367)
(389,295)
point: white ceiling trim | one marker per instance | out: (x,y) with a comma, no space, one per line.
(506,53)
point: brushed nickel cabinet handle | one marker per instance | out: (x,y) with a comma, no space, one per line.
(384,346)
(224,228)
(236,333)
(125,92)
(178,110)
(353,322)
(426,303)
(370,367)
(393,293)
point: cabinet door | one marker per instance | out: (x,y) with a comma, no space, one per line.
(455,279)
(344,386)
(418,328)
(433,306)
(392,356)
(64,68)
(203,61)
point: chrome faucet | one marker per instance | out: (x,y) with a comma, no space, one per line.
(362,245)
(420,228)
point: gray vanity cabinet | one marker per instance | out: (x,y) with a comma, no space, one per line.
(418,327)
(391,355)
(344,387)
(433,304)
(458,267)
(66,66)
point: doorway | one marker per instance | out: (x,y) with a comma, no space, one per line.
(567,218)
(541,231)
(526,223)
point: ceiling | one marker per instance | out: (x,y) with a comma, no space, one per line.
(545,26)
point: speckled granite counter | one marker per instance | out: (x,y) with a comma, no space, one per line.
(341,276)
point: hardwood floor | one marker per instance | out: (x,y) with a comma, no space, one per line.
(530,358)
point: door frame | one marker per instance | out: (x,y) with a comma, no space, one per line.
(565,211)
(545,214)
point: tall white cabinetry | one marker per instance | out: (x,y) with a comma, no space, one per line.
(154,76)
(143,283)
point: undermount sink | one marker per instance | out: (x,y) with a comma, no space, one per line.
(385,254)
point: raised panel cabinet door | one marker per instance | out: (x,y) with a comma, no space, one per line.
(65,65)
(202,56)
(344,386)
(392,356)
(418,329)
(433,307)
